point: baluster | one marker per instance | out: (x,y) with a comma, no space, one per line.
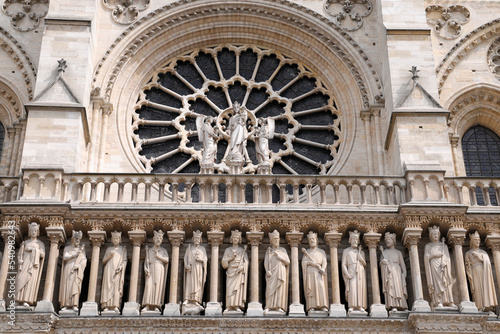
(242,192)
(336,193)
(446,190)
(161,191)
(362,189)
(147,192)
(93,187)
(442,191)
(282,187)
(121,185)
(376,188)
(486,195)
(256,193)
(202,192)
(309,193)
(65,194)
(215,193)
(188,192)
(460,194)
(269,187)
(403,195)
(322,189)
(229,193)
(391,195)
(295,193)
(412,189)
(80,191)
(133,197)
(426,184)
(349,193)
(472,194)
(175,192)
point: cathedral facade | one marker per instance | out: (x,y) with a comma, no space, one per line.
(232,166)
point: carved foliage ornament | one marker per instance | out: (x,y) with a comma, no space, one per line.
(125,11)
(25,14)
(349,14)
(447,21)
(494,58)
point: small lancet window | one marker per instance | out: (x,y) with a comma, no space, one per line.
(481,150)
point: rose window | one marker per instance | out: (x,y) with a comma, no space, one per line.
(236,109)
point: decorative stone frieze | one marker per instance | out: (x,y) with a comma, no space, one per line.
(25,14)
(348,14)
(493,58)
(125,11)
(447,21)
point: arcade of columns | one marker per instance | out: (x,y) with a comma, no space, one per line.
(333,236)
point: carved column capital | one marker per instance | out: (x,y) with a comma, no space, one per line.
(56,235)
(456,236)
(254,238)
(294,239)
(137,237)
(372,239)
(493,242)
(97,238)
(176,237)
(215,238)
(411,236)
(332,239)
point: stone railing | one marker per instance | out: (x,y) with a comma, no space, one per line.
(223,189)
(54,185)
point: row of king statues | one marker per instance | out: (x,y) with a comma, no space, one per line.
(437,261)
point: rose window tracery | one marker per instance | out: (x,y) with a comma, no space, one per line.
(236,109)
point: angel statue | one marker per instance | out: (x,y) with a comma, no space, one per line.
(208,136)
(263,133)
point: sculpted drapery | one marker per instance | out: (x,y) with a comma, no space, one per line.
(478,267)
(276,263)
(393,271)
(235,261)
(354,274)
(195,273)
(73,268)
(113,277)
(155,268)
(314,274)
(31,257)
(238,133)
(438,270)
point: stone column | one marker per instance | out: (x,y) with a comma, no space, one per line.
(493,242)
(333,241)
(411,237)
(90,307)
(214,308)
(11,236)
(176,238)
(137,238)
(57,236)
(377,309)
(456,237)
(294,239)
(254,307)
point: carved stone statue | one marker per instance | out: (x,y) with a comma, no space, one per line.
(354,274)
(208,136)
(113,276)
(478,267)
(276,263)
(73,267)
(438,270)
(393,271)
(314,274)
(155,268)
(31,257)
(195,275)
(235,261)
(263,133)
(238,131)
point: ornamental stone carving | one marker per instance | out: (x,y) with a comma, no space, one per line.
(437,263)
(125,11)
(276,263)
(354,274)
(73,268)
(235,261)
(113,276)
(25,14)
(349,14)
(447,21)
(493,58)
(31,257)
(480,273)
(155,268)
(195,275)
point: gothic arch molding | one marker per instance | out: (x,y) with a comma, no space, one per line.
(478,105)
(463,47)
(300,33)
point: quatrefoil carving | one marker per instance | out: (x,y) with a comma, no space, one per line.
(126,11)
(447,21)
(349,14)
(493,56)
(25,14)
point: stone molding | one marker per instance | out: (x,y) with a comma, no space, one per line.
(463,47)
(447,21)
(348,14)
(196,9)
(17,53)
(125,12)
